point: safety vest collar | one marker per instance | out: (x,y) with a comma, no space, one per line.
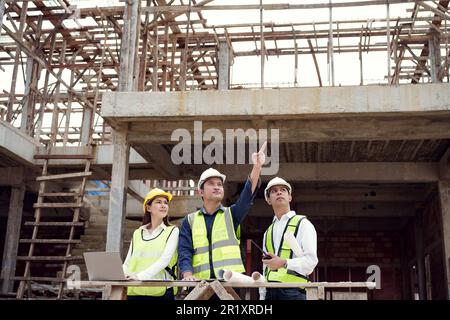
(161,228)
(220,207)
(223,243)
(284,251)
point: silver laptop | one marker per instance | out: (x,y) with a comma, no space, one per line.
(104,266)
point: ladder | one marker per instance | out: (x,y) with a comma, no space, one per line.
(44,201)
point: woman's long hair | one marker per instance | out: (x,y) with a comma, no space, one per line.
(148,216)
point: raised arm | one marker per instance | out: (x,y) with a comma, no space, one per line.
(258,159)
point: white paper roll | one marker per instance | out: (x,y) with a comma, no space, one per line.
(293,244)
(258,277)
(231,276)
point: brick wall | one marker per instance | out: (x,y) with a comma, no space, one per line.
(345,256)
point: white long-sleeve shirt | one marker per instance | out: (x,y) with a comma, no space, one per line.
(151,273)
(306,238)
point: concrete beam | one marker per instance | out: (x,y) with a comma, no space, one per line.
(159,158)
(17,145)
(12,237)
(361,194)
(295,128)
(356,113)
(277,103)
(376,172)
(366,172)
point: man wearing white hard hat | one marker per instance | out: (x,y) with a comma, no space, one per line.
(209,237)
(294,257)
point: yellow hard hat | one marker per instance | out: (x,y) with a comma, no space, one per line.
(156,192)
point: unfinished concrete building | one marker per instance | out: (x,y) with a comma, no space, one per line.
(93,91)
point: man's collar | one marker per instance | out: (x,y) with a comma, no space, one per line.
(221,207)
(288,215)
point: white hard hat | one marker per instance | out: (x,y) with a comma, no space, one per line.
(276,182)
(209,173)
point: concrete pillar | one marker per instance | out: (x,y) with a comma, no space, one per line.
(224,66)
(2,13)
(434,54)
(12,237)
(444,196)
(420,259)
(118,194)
(86,125)
(129,66)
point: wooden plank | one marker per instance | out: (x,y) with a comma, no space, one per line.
(60,194)
(44,279)
(55,224)
(49,241)
(221,292)
(64,176)
(180,283)
(58,205)
(116,293)
(312,294)
(202,291)
(233,293)
(49,258)
(63,156)
(315,61)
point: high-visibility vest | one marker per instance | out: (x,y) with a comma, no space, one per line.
(223,250)
(284,252)
(147,252)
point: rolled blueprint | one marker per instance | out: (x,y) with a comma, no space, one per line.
(258,277)
(293,244)
(231,276)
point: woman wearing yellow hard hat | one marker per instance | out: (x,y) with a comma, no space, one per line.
(153,250)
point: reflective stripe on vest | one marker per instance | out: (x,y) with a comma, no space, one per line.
(226,253)
(144,254)
(284,252)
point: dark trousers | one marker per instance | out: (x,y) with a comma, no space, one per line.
(285,294)
(168,296)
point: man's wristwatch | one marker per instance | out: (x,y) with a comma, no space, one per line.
(285,265)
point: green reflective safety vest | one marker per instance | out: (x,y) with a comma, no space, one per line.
(224,248)
(147,252)
(284,252)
